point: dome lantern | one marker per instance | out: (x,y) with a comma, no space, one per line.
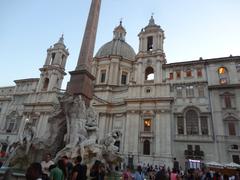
(118,46)
(119,32)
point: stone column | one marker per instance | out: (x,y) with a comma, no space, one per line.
(139,74)
(131,137)
(157,70)
(185,125)
(48,58)
(40,83)
(42,125)
(64,62)
(52,82)
(199,125)
(157,138)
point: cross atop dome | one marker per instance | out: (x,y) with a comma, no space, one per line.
(61,39)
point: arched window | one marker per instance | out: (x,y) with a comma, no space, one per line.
(149,73)
(223,75)
(192,122)
(45,84)
(146,147)
(149,43)
(61,61)
(52,58)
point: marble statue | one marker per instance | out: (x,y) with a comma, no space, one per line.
(76,118)
(27,136)
(72,131)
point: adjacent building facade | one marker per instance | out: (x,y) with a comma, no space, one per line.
(184,110)
(32,100)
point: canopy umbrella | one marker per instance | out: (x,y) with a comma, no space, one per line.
(232,165)
(214,164)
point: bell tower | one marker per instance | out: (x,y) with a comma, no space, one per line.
(151,54)
(151,38)
(53,70)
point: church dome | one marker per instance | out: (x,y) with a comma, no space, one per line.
(117,46)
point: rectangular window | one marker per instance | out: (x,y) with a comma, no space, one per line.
(170,75)
(10,127)
(103,76)
(189,91)
(178,74)
(124,78)
(180,125)
(150,43)
(236,159)
(189,73)
(231,129)
(147,125)
(197,147)
(204,125)
(238,67)
(227,100)
(179,91)
(200,91)
(199,72)
(189,147)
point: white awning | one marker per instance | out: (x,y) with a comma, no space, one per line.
(214,164)
(232,165)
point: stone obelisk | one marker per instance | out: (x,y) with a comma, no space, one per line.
(81,81)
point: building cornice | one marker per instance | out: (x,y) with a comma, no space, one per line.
(26,80)
(149,99)
(224,86)
(203,61)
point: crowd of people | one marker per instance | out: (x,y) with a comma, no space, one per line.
(163,173)
(64,169)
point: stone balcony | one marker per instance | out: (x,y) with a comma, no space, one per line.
(232,139)
(190,138)
(146,134)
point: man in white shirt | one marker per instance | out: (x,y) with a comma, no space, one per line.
(46,163)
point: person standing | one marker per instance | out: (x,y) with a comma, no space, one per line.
(127,175)
(139,174)
(46,163)
(58,172)
(34,172)
(79,170)
(97,172)
(174,175)
(68,167)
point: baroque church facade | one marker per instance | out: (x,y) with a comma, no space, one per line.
(184,110)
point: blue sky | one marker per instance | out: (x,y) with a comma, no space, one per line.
(193,29)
